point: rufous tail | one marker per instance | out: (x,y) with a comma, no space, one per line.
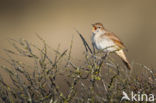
(122,55)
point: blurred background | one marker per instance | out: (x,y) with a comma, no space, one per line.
(134,21)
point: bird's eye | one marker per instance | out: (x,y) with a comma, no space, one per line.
(99,27)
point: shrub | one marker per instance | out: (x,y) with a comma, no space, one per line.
(98,80)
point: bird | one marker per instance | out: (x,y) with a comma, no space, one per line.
(108,42)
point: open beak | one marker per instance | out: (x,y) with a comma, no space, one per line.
(94,28)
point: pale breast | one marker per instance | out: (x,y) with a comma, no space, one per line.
(104,43)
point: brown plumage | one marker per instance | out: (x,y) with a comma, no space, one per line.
(114,38)
(108,41)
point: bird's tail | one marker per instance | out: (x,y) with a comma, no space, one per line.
(122,55)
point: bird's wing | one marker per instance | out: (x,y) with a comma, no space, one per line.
(115,39)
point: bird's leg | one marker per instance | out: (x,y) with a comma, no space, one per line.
(105,56)
(95,57)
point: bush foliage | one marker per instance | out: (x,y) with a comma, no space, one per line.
(98,80)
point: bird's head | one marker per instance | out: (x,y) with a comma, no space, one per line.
(97,28)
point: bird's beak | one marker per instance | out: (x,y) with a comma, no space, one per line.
(94,28)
